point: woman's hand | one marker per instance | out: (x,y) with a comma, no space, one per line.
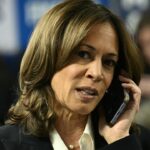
(122,126)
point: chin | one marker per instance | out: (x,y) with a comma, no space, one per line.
(84,111)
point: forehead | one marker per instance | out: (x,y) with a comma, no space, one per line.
(102,37)
(102,28)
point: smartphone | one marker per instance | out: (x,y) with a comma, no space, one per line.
(115,101)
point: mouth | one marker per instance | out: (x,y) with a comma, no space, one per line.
(87,92)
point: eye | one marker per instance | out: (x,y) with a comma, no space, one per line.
(110,63)
(84,54)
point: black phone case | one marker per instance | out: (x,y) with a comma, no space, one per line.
(114,102)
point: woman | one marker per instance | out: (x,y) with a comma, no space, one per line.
(75,52)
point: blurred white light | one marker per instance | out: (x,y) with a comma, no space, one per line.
(35,9)
(132,20)
(9,42)
(128,4)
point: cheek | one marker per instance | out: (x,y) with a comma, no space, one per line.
(106,83)
(76,71)
(56,85)
(63,81)
(108,80)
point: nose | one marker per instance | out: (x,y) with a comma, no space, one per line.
(95,71)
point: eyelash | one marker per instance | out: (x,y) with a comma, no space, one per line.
(110,63)
(84,54)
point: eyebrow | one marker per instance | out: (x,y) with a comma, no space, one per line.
(94,49)
(89,46)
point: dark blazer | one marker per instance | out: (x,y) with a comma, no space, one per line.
(13,138)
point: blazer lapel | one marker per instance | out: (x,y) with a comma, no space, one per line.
(31,142)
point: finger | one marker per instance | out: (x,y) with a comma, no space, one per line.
(132,87)
(126,80)
(135,94)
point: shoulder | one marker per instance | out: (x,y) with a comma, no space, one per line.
(138,138)
(9,137)
(12,137)
(9,131)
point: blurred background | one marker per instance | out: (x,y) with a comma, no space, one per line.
(17,20)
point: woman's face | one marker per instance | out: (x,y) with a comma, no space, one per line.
(80,86)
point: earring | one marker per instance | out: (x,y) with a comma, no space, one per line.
(106,91)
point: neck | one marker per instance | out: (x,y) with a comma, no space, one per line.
(70,127)
(71,123)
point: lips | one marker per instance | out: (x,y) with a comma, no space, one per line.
(87,91)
